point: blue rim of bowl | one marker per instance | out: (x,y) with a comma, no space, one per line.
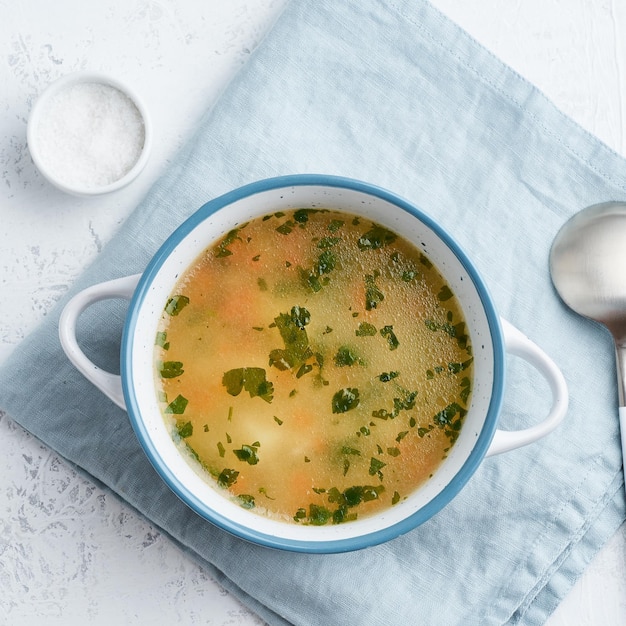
(296,545)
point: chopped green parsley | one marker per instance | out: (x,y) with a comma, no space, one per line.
(176,304)
(345,400)
(252,379)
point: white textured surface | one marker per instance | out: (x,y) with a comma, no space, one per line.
(69,552)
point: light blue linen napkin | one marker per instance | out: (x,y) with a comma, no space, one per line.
(393,93)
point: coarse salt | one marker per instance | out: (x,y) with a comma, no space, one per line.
(90,135)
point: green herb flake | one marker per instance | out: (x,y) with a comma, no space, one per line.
(408,275)
(406,403)
(176,304)
(449,329)
(454,368)
(345,357)
(291,327)
(221,449)
(353,495)
(444,293)
(278,421)
(424,260)
(373,295)
(326,263)
(286,227)
(232,236)
(385,377)
(318,515)
(263,491)
(375,466)
(300,316)
(335,225)
(348,450)
(305,368)
(395,498)
(252,379)
(300,515)
(311,280)
(227,478)
(444,417)
(432,325)
(262,283)
(376,237)
(366,330)
(248,454)
(341,515)
(192,452)
(256,258)
(328,242)
(393,451)
(171,369)
(184,429)
(161,340)
(177,406)
(345,400)
(389,335)
(245,501)
(402,435)
(466,389)
(302,215)
(461,337)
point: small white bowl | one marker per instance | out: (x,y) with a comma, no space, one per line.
(89,134)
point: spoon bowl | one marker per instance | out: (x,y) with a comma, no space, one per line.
(588,269)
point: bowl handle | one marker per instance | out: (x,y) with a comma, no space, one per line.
(519,345)
(109,384)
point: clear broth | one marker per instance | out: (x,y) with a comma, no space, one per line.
(315,364)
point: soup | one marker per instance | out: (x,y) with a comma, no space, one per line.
(314,366)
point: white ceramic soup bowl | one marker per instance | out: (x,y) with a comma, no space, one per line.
(491,338)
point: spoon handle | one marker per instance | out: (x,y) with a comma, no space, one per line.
(622,429)
(620,356)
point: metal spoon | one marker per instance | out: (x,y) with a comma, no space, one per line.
(588,268)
